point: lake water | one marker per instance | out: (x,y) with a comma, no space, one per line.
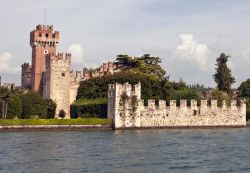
(142,151)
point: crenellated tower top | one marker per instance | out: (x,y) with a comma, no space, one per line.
(44,35)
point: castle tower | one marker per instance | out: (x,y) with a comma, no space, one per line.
(26,76)
(43,40)
(58,80)
(124,102)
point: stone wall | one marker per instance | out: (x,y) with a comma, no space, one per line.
(58,81)
(26,76)
(127,110)
(43,40)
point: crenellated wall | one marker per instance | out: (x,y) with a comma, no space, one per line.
(127,110)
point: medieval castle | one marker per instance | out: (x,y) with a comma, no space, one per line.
(50,72)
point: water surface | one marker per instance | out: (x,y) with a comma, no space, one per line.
(142,151)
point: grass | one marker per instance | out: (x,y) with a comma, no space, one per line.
(79,121)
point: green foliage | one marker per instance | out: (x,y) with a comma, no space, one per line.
(184,94)
(79,121)
(151,88)
(248,107)
(220,96)
(4,91)
(89,108)
(81,102)
(51,108)
(245,94)
(62,114)
(245,88)
(223,76)
(146,64)
(33,104)
(134,103)
(14,107)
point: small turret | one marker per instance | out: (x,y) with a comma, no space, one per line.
(26,76)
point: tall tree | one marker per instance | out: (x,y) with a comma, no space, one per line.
(245,88)
(223,76)
(145,64)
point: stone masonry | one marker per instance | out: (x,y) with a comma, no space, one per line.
(26,76)
(50,73)
(43,41)
(57,81)
(127,110)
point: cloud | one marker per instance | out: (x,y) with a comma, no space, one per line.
(243,56)
(5,64)
(191,50)
(77,53)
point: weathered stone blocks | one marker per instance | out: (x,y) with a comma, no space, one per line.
(127,115)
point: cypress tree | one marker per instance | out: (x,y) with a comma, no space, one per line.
(223,76)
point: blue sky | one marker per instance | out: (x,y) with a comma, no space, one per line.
(188,35)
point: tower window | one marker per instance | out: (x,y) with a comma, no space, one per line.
(45,52)
(63,74)
(47,35)
(40,34)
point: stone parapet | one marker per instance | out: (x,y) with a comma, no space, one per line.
(127,110)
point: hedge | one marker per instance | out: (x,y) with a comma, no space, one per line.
(89,108)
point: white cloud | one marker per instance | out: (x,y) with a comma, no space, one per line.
(5,64)
(243,55)
(77,53)
(191,50)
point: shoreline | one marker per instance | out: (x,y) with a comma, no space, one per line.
(98,127)
(55,127)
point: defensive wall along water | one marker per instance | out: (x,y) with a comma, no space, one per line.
(127,110)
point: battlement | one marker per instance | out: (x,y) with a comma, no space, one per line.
(205,104)
(127,109)
(108,68)
(44,27)
(76,76)
(66,58)
(26,66)
(44,35)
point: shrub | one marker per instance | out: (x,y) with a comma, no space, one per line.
(62,114)
(33,104)
(89,108)
(51,108)
(220,96)
(14,107)
(186,94)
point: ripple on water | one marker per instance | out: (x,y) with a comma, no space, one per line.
(163,150)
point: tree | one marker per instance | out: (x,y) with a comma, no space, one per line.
(14,107)
(151,88)
(51,111)
(245,93)
(245,88)
(147,64)
(33,104)
(219,96)
(223,76)
(184,94)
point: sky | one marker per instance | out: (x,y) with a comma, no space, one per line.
(188,35)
